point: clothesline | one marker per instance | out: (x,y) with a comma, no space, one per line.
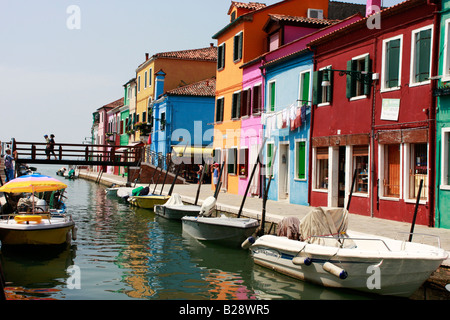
(292,116)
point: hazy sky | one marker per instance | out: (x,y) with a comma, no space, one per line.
(54,76)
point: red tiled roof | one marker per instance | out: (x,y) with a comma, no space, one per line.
(287,18)
(249,6)
(204,54)
(114,104)
(203,88)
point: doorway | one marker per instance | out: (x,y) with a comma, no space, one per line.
(341,177)
(283,172)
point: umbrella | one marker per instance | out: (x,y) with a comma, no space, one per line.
(33,183)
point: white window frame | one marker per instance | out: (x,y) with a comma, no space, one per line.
(445,150)
(383,64)
(412,82)
(362,96)
(300,87)
(322,104)
(296,143)
(350,162)
(314,171)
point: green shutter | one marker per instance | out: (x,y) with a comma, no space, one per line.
(272,96)
(241,42)
(351,79)
(393,63)
(317,87)
(305,88)
(422,55)
(330,88)
(301,160)
(368,77)
(269,157)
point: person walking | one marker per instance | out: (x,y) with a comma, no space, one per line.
(9,166)
(47,146)
(52,146)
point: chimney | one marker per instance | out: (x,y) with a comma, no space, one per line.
(146,56)
(159,82)
(372,6)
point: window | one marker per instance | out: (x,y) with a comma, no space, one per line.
(272,89)
(150,77)
(144,116)
(445,158)
(300,159)
(304,87)
(361,165)
(274,41)
(163,121)
(391,174)
(418,170)
(446,55)
(221,56)
(139,84)
(236,105)
(256,99)
(269,158)
(237,50)
(243,162)
(145,80)
(421,55)
(391,64)
(232,161)
(356,87)
(217,155)
(219,109)
(246,102)
(321,175)
(322,95)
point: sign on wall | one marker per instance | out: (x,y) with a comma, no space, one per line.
(390,109)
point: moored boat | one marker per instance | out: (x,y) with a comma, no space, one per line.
(148,201)
(335,257)
(175,209)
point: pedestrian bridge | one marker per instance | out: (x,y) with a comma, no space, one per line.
(78,154)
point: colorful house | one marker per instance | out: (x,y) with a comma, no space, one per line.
(442,93)
(239,42)
(180,68)
(183,116)
(288,71)
(372,117)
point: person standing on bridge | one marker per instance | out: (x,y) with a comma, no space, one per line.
(52,146)
(47,146)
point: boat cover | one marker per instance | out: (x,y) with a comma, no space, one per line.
(174,200)
(321,222)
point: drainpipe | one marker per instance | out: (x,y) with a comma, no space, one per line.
(311,127)
(432,113)
(372,135)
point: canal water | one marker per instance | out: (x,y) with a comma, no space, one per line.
(127,253)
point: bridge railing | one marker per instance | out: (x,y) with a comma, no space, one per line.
(87,153)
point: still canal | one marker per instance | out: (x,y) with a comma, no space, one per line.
(122,253)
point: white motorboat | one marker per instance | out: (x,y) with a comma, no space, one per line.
(227,230)
(327,254)
(175,209)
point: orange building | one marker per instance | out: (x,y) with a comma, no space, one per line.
(241,41)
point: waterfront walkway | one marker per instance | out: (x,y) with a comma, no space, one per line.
(277,210)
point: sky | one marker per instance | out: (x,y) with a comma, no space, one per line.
(59,63)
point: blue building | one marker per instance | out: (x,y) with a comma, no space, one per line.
(287,125)
(183,116)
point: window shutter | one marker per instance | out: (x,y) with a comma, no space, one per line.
(317,87)
(367,68)
(241,43)
(305,88)
(422,55)
(330,88)
(301,163)
(351,80)
(393,57)
(272,96)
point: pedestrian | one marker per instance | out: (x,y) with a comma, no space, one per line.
(47,146)
(199,173)
(9,167)
(52,145)
(216,175)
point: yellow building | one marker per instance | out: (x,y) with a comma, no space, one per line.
(180,68)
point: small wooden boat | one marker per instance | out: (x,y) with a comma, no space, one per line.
(148,201)
(175,209)
(223,229)
(346,259)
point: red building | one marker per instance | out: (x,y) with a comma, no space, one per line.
(381,130)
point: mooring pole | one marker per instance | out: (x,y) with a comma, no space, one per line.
(415,211)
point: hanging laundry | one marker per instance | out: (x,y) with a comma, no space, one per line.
(279,117)
(303,113)
(298,118)
(292,115)
(284,114)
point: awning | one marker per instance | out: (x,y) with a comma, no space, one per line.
(191,151)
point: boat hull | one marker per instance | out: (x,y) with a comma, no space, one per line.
(383,272)
(176,212)
(44,233)
(147,202)
(229,231)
